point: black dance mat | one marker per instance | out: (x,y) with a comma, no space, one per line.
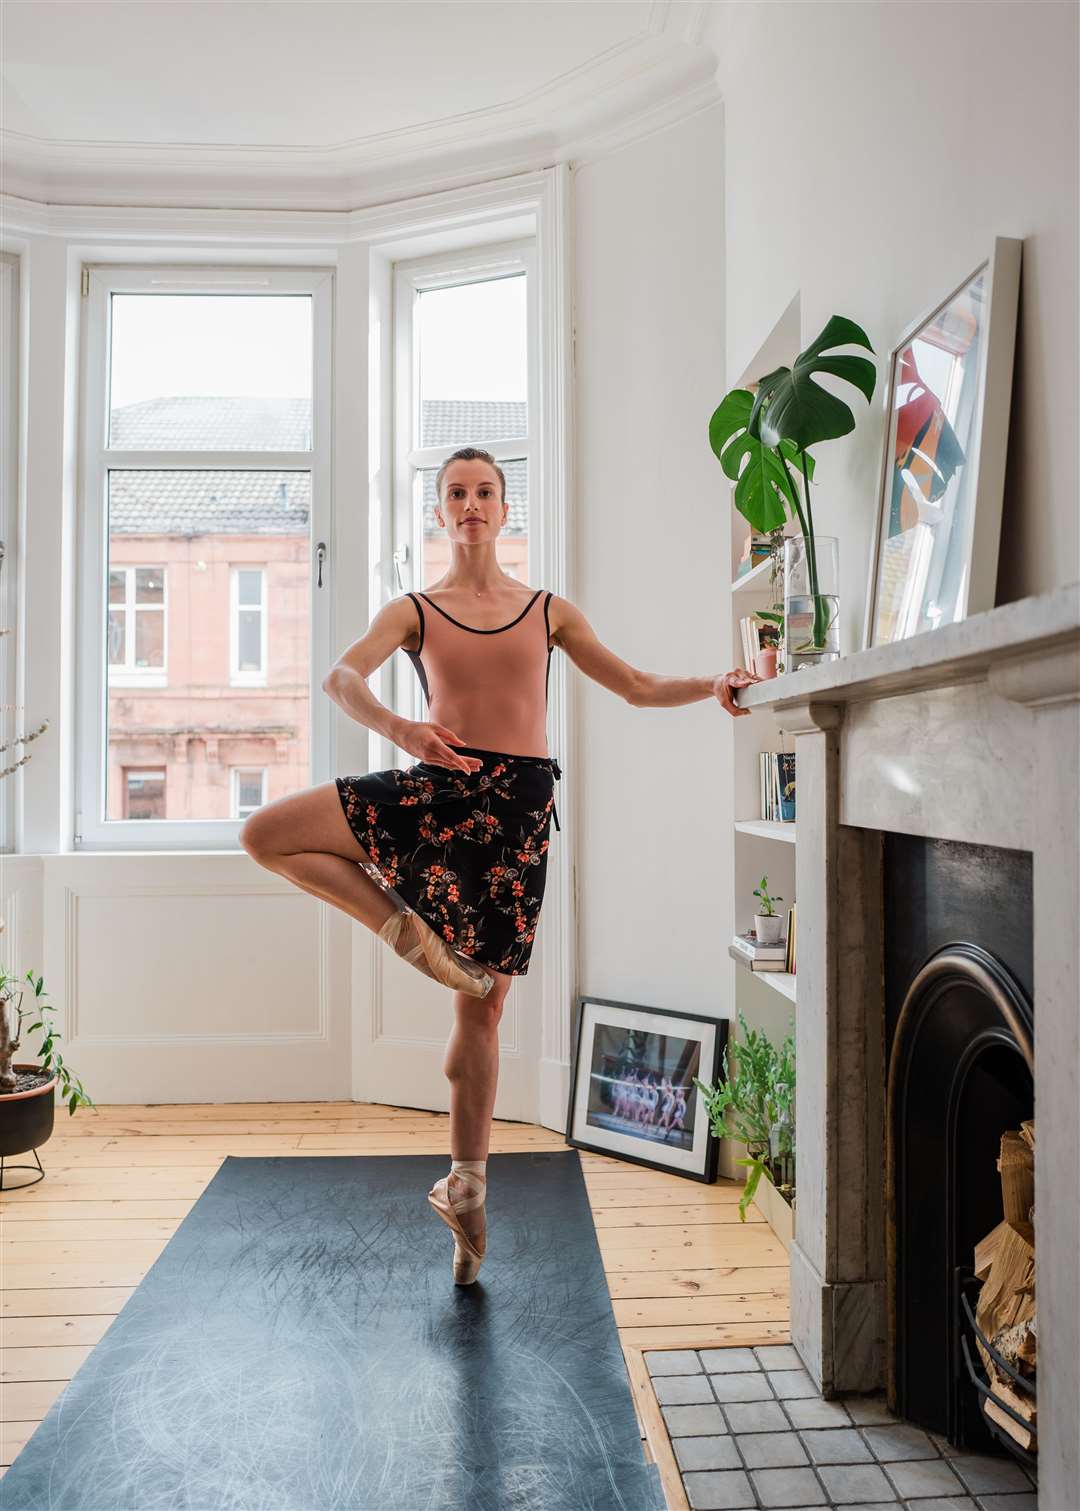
(300,1345)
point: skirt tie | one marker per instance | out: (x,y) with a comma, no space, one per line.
(557,774)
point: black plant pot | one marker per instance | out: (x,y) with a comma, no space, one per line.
(26,1122)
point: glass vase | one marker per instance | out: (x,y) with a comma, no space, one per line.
(811,601)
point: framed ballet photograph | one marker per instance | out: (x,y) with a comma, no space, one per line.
(935,549)
(632,1092)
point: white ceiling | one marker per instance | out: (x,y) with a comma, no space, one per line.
(327,105)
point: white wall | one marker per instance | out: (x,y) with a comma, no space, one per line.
(872,153)
(651,544)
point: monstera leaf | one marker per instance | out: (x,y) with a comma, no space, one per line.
(762,483)
(790,406)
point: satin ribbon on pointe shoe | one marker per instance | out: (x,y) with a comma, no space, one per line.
(433,956)
(469,1249)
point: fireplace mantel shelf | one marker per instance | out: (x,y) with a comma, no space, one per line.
(955,653)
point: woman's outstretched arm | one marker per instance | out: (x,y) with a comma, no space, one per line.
(576,636)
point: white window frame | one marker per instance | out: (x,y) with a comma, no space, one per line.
(234,788)
(13,713)
(238,678)
(130,675)
(412,277)
(92,831)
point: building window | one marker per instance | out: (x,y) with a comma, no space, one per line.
(248,790)
(247,626)
(205,483)
(144,794)
(137,624)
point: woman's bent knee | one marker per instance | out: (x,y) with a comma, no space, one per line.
(255,835)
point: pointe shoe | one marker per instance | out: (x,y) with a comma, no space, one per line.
(468,1250)
(453,970)
(405,941)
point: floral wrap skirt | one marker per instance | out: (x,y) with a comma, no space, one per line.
(467,850)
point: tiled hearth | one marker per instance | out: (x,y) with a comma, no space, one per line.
(750,1432)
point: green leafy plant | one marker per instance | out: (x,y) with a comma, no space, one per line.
(767,909)
(12,1017)
(755,1103)
(758,437)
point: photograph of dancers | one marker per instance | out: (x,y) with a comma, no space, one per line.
(642,1084)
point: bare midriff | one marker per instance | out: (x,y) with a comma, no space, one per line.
(488,686)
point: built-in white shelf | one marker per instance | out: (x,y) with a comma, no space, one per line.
(780,981)
(766,829)
(756,580)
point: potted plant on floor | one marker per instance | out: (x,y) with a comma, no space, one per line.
(767,921)
(27,1091)
(755,1103)
(760,436)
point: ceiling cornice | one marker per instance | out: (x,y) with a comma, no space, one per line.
(629,91)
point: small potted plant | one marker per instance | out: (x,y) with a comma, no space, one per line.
(27,1091)
(767,921)
(755,1104)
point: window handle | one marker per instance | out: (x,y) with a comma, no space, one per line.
(320,556)
(400,555)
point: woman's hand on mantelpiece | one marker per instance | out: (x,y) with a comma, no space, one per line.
(725,685)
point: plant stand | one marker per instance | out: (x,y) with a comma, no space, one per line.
(18,1185)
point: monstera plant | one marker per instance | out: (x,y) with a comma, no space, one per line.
(761,438)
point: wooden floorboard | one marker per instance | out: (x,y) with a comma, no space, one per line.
(682,1270)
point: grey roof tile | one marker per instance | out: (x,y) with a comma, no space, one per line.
(187,503)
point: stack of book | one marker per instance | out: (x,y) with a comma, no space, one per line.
(777,781)
(756,549)
(760,957)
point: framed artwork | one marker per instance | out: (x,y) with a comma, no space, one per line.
(935,551)
(631,1085)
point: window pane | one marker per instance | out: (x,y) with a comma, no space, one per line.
(473,370)
(211,372)
(149,585)
(150,638)
(249,641)
(249,789)
(512,546)
(116,636)
(195,525)
(145,794)
(117,587)
(249,587)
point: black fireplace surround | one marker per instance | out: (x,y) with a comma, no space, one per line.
(959,1040)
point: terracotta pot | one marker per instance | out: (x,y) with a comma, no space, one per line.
(26,1117)
(765,663)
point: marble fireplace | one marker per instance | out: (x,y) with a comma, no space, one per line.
(938,786)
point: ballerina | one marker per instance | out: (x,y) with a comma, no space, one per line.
(446,859)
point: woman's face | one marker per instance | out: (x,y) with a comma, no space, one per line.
(470,506)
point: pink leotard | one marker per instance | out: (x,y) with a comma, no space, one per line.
(488,686)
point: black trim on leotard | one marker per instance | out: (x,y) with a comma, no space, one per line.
(472,628)
(414,656)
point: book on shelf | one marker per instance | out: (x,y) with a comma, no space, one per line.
(756,549)
(750,945)
(790,960)
(776,786)
(777,966)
